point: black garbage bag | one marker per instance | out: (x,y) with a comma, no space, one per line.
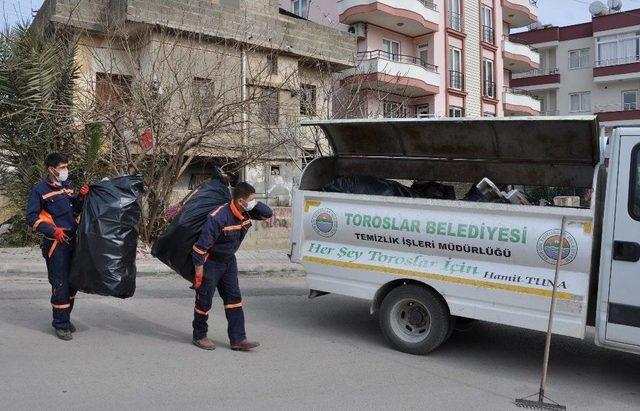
(368,185)
(174,246)
(432,189)
(104,260)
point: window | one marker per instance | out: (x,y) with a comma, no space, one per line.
(272,64)
(307,156)
(423,111)
(578,59)
(307,99)
(618,49)
(113,91)
(580,102)
(268,106)
(455,111)
(487,25)
(630,100)
(300,7)
(634,191)
(391,49)
(489,87)
(203,91)
(487,114)
(456,80)
(275,170)
(455,15)
(394,110)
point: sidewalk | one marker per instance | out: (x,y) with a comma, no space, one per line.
(30,261)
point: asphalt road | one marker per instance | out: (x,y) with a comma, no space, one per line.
(325,353)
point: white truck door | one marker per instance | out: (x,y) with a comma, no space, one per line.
(623,319)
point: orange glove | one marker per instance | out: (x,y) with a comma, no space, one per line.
(197,281)
(60,236)
(84,190)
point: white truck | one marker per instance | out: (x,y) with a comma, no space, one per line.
(423,262)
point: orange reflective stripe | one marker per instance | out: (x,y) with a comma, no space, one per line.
(230,306)
(53,193)
(248,222)
(53,248)
(217,210)
(199,311)
(61,306)
(232,228)
(199,250)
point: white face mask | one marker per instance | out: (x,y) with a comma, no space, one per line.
(63,175)
(251,204)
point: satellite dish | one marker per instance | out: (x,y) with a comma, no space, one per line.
(615,5)
(597,8)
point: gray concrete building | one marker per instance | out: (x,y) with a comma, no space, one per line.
(239,48)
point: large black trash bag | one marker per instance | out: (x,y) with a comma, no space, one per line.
(104,260)
(367,185)
(175,244)
(434,190)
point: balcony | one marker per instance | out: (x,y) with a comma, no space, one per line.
(518,57)
(393,73)
(519,13)
(617,114)
(520,103)
(538,79)
(409,17)
(615,69)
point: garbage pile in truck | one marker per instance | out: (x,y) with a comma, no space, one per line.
(485,191)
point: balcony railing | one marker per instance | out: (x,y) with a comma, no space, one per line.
(456,80)
(520,92)
(617,61)
(536,73)
(400,58)
(455,22)
(488,35)
(489,89)
(429,4)
(604,108)
(506,38)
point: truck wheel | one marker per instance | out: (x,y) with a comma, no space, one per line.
(414,319)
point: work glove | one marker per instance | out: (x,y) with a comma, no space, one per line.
(197,280)
(60,236)
(84,190)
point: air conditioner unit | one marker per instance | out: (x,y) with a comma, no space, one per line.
(359,29)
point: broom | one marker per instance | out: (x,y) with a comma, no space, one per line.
(540,404)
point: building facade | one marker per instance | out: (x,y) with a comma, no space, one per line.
(592,67)
(196,53)
(433,58)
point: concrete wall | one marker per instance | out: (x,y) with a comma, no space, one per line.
(272,234)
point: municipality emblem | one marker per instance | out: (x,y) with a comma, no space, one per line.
(325,222)
(549,246)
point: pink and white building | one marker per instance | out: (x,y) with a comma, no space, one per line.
(433,57)
(586,68)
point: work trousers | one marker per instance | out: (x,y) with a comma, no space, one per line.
(224,276)
(58,259)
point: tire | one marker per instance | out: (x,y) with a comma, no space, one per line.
(414,319)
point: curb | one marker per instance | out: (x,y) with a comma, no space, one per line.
(144,270)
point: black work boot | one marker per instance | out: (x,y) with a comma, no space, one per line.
(72,327)
(64,335)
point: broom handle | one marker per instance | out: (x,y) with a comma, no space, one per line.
(547,346)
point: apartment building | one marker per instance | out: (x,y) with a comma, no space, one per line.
(433,57)
(222,49)
(586,68)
